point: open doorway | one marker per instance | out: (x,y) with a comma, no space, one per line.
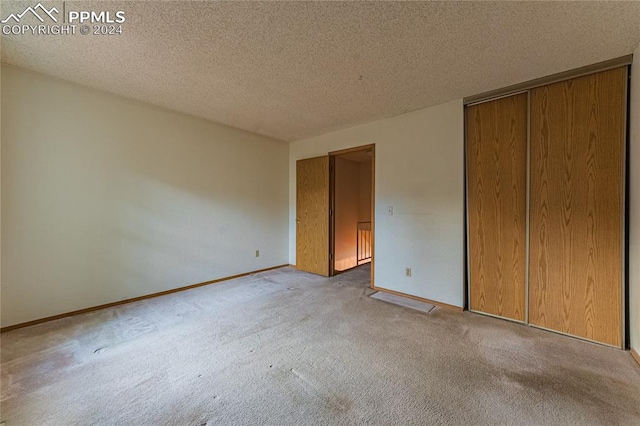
(352,190)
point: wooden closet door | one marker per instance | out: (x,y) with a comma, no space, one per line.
(577,143)
(312,215)
(496,188)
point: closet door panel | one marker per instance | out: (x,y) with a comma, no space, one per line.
(577,145)
(496,191)
(312,215)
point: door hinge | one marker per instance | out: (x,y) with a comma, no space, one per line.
(330,212)
(330,256)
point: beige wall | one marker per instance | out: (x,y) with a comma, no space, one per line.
(347,205)
(419,171)
(634,213)
(105,199)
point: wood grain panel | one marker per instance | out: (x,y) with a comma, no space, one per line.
(577,143)
(312,220)
(496,188)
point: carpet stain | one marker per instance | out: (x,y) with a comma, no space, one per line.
(330,400)
(574,386)
(30,371)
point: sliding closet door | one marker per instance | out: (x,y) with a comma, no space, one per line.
(577,145)
(496,191)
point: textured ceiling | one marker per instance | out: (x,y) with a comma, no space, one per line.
(295,70)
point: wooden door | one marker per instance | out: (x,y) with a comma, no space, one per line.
(577,145)
(312,215)
(496,188)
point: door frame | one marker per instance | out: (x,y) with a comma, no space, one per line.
(332,182)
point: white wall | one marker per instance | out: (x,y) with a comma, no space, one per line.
(106,199)
(419,171)
(634,213)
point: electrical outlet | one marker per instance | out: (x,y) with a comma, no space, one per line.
(407,272)
(257,253)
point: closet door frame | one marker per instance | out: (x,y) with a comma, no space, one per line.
(624,61)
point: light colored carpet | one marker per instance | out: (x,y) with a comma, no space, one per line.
(403,301)
(284,347)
